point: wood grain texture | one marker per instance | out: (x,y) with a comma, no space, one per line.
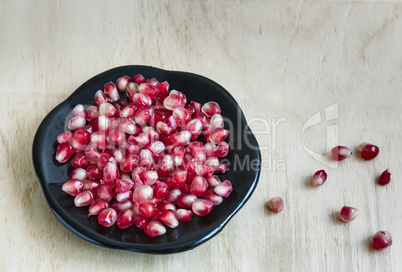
(283,62)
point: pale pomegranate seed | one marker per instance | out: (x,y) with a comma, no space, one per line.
(131,90)
(64,152)
(199,186)
(79,110)
(99,98)
(125,219)
(368,151)
(91,185)
(319,178)
(385,177)
(83,199)
(143,115)
(104,159)
(218,135)
(216,121)
(76,122)
(340,153)
(122,206)
(78,173)
(146,159)
(110,173)
(276,204)
(186,200)
(184,215)
(104,192)
(148,90)
(169,218)
(211,108)
(143,193)
(107,217)
(154,228)
(97,206)
(122,83)
(212,196)
(224,189)
(73,187)
(182,116)
(213,181)
(107,109)
(195,128)
(110,91)
(64,137)
(173,195)
(382,240)
(149,177)
(348,214)
(175,99)
(124,184)
(202,207)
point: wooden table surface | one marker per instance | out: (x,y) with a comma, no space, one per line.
(288,63)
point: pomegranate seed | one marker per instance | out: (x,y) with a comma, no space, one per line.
(368,151)
(122,83)
(276,204)
(216,121)
(110,91)
(64,137)
(79,110)
(99,139)
(165,205)
(104,192)
(194,127)
(76,122)
(143,193)
(385,177)
(131,90)
(182,116)
(80,139)
(202,207)
(110,173)
(199,186)
(340,153)
(149,177)
(147,209)
(169,218)
(63,152)
(140,221)
(128,126)
(213,181)
(216,199)
(78,173)
(124,184)
(218,135)
(153,81)
(157,148)
(129,163)
(146,159)
(152,134)
(348,214)
(173,195)
(174,100)
(83,199)
(104,159)
(139,79)
(143,115)
(382,239)
(107,217)
(212,162)
(73,187)
(107,109)
(186,200)
(141,140)
(125,219)
(163,89)
(179,178)
(181,138)
(224,189)
(184,215)
(117,137)
(79,161)
(91,113)
(148,90)
(204,170)
(154,228)
(97,206)
(140,99)
(99,98)
(211,108)
(93,172)
(319,178)
(222,150)
(122,206)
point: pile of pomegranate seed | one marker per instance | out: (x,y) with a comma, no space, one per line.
(138,161)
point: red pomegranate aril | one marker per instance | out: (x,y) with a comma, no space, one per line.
(141,140)
(76,122)
(78,173)
(216,121)
(224,189)
(92,153)
(143,115)
(340,153)
(131,90)
(276,204)
(222,150)
(154,228)
(195,128)
(99,139)
(91,185)
(73,187)
(110,173)
(117,137)
(163,89)
(140,221)
(107,109)
(385,177)
(175,99)
(203,170)
(79,161)
(216,199)
(182,116)
(91,113)
(222,168)
(148,90)
(186,200)
(382,240)
(218,135)
(213,181)
(212,162)
(184,215)
(153,81)
(104,192)
(97,206)
(122,206)
(104,159)
(173,195)
(199,186)
(210,150)
(99,98)
(147,209)
(110,91)
(202,207)
(181,138)
(139,79)
(125,219)
(129,163)
(83,199)
(63,152)
(348,214)
(124,184)
(165,205)
(143,193)
(80,139)
(179,178)
(140,99)
(152,133)
(146,159)
(169,218)
(207,133)
(93,172)
(128,126)
(157,148)
(319,178)
(368,151)
(64,137)
(211,108)
(107,217)
(122,83)
(79,110)
(149,177)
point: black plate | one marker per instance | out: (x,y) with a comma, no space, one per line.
(243,148)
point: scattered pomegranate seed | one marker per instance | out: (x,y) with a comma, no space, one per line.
(139,79)
(382,239)
(348,214)
(340,153)
(125,219)
(319,178)
(97,206)
(107,217)
(64,137)
(63,152)
(211,108)
(224,189)
(276,204)
(73,187)
(122,83)
(154,228)
(184,215)
(202,207)
(83,199)
(385,177)
(368,151)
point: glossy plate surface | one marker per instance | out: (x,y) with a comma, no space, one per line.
(244,176)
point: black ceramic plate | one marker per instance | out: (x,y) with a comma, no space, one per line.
(244,176)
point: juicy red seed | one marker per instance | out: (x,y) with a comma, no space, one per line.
(122,83)
(117,137)
(131,90)
(211,108)
(148,90)
(216,199)
(163,89)
(143,115)
(169,218)
(122,197)
(165,205)
(139,79)
(91,185)
(218,135)
(179,178)
(107,109)
(91,113)
(79,161)
(224,189)
(154,228)
(174,100)
(125,219)
(140,221)
(99,98)
(199,186)
(124,184)
(186,200)
(385,177)
(319,178)
(276,204)
(129,163)
(80,139)
(78,173)
(382,239)
(107,217)
(110,173)
(149,177)
(143,193)
(153,81)
(122,206)
(195,128)
(222,150)
(348,214)
(104,159)
(182,116)
(64,137)
(73,187)
(202,207)
(173,195)
(63,152)
(184,215)
(340,153)
(83,199)
(213,181)
(147,209)
(77,122)
(104,192)
(93,172)
(99,139)
(111,92)
(368,151)
(97,206)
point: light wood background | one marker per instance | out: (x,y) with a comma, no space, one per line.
(283,61)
